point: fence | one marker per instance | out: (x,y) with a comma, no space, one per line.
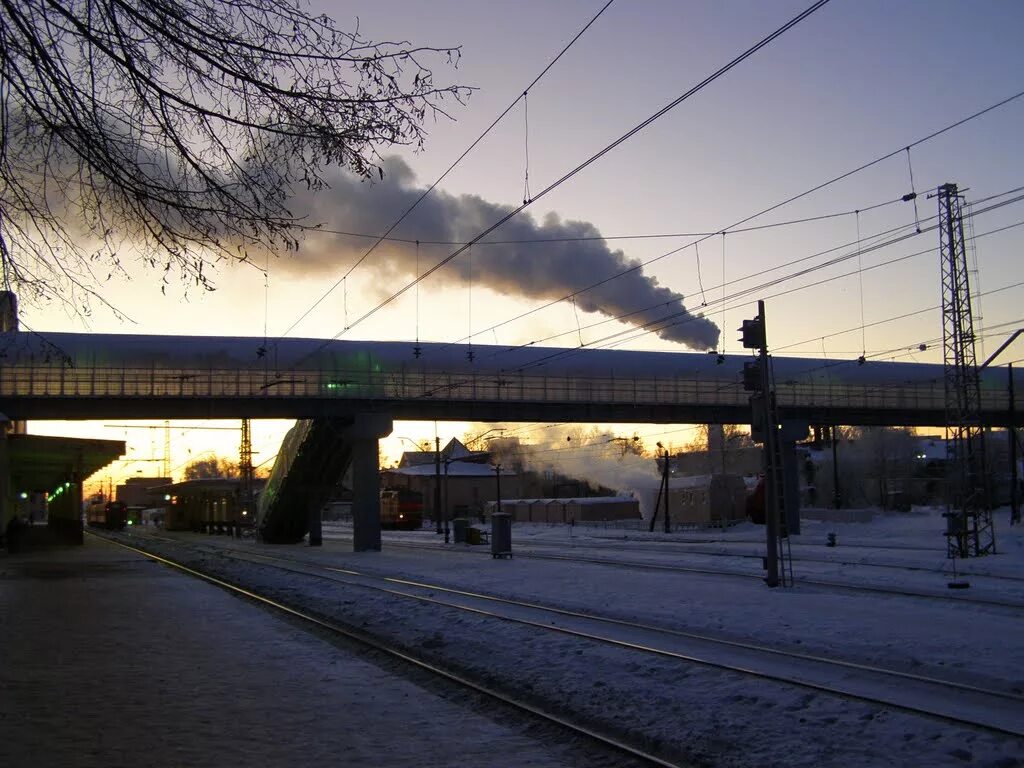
(54,381)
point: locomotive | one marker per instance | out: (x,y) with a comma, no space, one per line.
(401,509)
(111,515)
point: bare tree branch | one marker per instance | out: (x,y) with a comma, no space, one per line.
(175,131)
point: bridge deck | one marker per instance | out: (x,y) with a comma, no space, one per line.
(35,391)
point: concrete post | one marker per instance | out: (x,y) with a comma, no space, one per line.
(364,434)
(316,535)
(6,495)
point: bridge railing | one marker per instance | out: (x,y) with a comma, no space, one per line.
(44,381)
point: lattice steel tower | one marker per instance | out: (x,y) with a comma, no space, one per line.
(245,469)
(969,531)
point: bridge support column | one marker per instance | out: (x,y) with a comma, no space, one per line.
(364,434)
(6,496)
(791,432)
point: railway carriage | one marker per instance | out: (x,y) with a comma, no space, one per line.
(401,509)
(110,515)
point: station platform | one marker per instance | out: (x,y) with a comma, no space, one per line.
(110,659)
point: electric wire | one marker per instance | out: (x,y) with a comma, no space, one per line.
(450,168)
(696,243)
(688,318)
(644,236)
(551,303)
(595,157)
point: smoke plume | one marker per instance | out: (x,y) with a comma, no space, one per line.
(546,271)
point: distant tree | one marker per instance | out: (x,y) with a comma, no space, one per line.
(176,131)
(206,469)
(734,437)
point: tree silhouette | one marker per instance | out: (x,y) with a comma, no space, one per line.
(176,130)
(212,467)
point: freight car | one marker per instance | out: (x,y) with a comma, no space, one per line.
(111,515)
(401,509)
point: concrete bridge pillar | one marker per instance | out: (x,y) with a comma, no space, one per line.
(6,495)
(364,434)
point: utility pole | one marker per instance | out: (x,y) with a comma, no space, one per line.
(662,492)
(167,449)
(437,483)
(757,378)
(1012,435)
(836,495)
(245,468)
(497,481)
(969,530)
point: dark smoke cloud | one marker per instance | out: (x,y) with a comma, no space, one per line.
(539,271)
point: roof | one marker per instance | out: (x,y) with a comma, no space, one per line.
(583,501)
(205,484)
(416,458)
(455,469)
(41,462)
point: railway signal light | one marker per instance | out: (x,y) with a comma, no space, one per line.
(757,418)
(752,333)
(752,380)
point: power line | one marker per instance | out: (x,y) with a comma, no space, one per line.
(451,167)
(689,318)
(648,236)
(647,328)
(776,206)
(645,309)
(593,158)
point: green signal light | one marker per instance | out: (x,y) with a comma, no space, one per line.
(338,384)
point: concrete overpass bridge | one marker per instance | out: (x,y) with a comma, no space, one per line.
(352,390)
(98,376)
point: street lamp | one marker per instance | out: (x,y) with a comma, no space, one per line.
(419,448)
(625,442)
(497,480)
(492,429)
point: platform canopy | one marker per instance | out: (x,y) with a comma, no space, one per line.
(43,463)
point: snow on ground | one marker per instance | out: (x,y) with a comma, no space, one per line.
(701,716)
(108,660)
(979,643)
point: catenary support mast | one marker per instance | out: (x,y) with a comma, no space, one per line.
(969,531)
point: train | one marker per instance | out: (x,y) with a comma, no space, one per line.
(401,509)
(111,515)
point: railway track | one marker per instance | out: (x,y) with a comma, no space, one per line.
(996,711)
(670,548)
(606,740)
(522,551)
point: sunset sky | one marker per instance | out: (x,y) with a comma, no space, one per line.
(855,81)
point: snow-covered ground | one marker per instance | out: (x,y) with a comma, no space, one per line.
(694,714)
(698,714)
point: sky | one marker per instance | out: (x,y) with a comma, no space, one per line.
(853,82)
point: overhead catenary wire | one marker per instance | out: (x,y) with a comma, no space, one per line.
(608,279)
(595,157)
(526,147)
(450,168)
(617,339)
(787,201)
(768,270)
(609,238)
(860,278)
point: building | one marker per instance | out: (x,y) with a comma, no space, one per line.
(466,479)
